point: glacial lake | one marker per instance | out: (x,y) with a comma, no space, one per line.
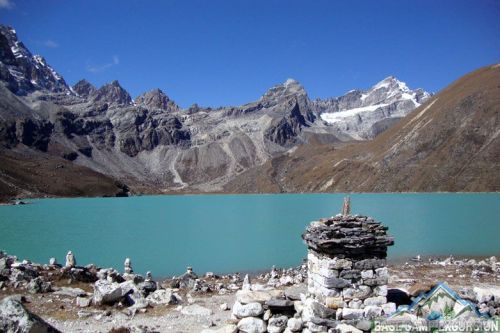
(230,233)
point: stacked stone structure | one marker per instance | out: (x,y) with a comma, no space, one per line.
(347,270)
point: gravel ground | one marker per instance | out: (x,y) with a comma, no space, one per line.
(160,319)
(62,312)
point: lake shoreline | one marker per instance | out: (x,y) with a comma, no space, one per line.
(67,297)
(8,201)
(246,233)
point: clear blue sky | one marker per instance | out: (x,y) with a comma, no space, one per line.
(230,52)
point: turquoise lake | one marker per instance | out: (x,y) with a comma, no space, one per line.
(229,233)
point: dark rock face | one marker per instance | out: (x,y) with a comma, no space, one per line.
(156,99)
(357,237)
(84,88)
(98,130)
(8,136)
(113,94)
(23,71)
(71,156)
(30,132)
(150,131)
(288,128)
(34,133)
(6,54)
(87,151)
(245,109)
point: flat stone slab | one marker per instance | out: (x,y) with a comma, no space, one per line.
(261,296)
(293,293)
(281,306)
(70,292)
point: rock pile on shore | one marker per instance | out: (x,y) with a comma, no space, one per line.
(347,280)
(127,290)
(267,310)
(111,296)
(355,237)
(348,276)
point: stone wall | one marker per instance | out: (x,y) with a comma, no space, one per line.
(347,272)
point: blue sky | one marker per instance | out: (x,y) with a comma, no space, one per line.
(230,52)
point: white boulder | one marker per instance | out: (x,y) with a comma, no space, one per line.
(252,325)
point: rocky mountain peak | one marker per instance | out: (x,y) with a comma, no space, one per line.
(391,83)
(23,71)
(84,88)
(283,92)
(156,99)
(391,89)
(364,113)
(16,47)
(113,94)
(291,82)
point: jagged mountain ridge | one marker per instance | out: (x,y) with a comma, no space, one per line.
(450,143)
(156,99)
(152,142)
(24,72)
(388,100)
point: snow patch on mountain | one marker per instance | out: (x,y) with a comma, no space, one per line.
(339,116)
(362,114)
(358,112)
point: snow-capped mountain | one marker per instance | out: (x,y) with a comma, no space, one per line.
(451,143)
(151,141)
(23,71)
(363,114)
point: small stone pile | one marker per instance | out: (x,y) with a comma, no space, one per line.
(347,271)
(267,310)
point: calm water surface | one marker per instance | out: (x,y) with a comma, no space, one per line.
(227,233)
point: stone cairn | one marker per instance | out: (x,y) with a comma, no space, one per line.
(128,266)
(347,271)
(70,260)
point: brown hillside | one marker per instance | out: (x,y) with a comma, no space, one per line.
(451,143)
(28,173)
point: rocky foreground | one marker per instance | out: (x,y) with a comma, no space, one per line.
(54,298)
